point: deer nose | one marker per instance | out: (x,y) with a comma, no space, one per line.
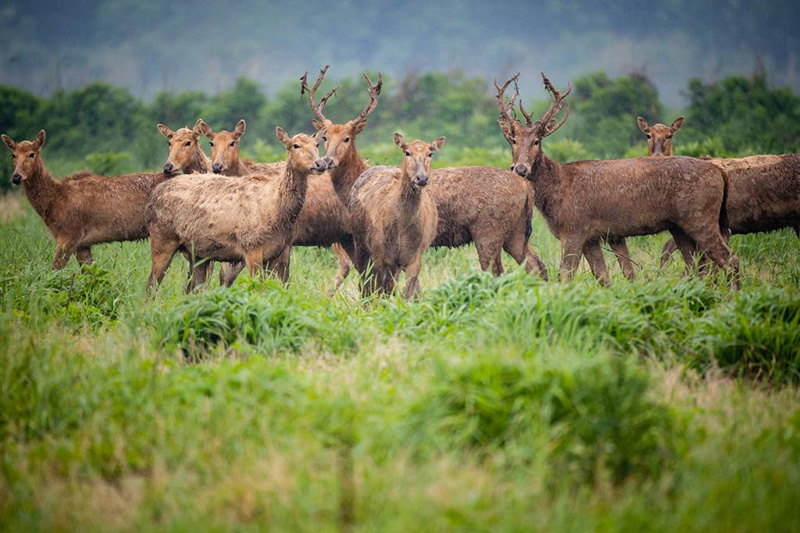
(329,162)
(521,169)
(217,168)
(320,165)
(16,179)
(421,179)
(168,168)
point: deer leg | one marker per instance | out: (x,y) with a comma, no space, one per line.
(620,249)
(64,249)
(594,256)
(344,264)
(667,250)
(162,252)
(714,247)
(254,259)
(280,264)
(233,270)
(687,247)
(84,256)
(223,272)
(199,276)
(489,254)
(412,278)
(571,251)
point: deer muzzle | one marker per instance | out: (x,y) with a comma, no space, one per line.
(217,168)
(421,180)
(329,162)
(168,168)
(521,169)
(320,166)
(16,179)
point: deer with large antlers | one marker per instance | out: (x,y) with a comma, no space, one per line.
(764,192)
(484,205)
(585,201)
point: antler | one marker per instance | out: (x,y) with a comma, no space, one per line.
(374,91)
(317,109)
(506,108)
(548,122)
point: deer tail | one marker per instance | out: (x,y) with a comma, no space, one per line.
(724,226)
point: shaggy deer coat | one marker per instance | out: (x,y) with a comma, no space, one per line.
(219,219)
(83,210)
(393,218)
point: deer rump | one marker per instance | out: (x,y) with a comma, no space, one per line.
(220,218)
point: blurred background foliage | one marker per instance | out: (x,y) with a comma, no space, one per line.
(109,131)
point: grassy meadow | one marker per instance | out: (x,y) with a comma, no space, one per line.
(490,404)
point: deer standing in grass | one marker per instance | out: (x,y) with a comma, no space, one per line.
(323,221)
(485,205)
(82,210)
(585,201)
(764,193)
(250,219)
(394,219)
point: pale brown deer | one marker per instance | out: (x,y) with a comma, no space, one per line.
(764,193)
(484,205)
(323,221)
(185,154)
(82,210)
(585,201)
(250,219)
(393,218)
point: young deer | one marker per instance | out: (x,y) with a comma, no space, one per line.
(485,205)
(585,201)
(185,153)
(764,193)
(394,219)
(82,210)
(323,221)
(220,219)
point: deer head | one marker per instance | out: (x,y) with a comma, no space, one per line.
(659,136)
(25,157)
(416,165)
(303,151)
(526,139)
(224,146)
(182,147)
(339,138)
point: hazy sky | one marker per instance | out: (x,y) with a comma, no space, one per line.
(204,45)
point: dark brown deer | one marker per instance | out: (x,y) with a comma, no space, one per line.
(323,220)
(764,193)
(393,218)
(585,201)
(83,210)
(185,153)
(484,205)
(250,219)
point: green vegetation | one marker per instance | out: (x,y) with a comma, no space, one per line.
(669,403)
(107,130)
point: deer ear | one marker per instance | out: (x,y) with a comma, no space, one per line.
(643,125)
(283,136)
(677,124)
(438,143)
(359,126)
(507,129)
(204,128)
(8,141)
(41,137)
(165,131)
(400,141)
(240,128)
(318,124)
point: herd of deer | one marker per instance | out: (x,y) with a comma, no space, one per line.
(382,219)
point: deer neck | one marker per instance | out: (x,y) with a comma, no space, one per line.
(237,169)
(410,197)
(292,191)
(546,179)
(345,174)
(199,164)
(42,191)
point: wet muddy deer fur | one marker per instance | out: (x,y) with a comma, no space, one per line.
(323,221)
(586,200)
(393,218)
(250,219)
(484,205)
(85,209)
(764,192)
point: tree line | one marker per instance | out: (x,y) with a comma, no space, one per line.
(109,131)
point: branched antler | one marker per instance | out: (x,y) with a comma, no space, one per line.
(317,109)
(374,91)
(507,108)
(548,122)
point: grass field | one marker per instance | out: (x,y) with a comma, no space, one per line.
(490,404)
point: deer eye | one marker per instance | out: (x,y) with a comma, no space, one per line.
(513,141)
(669,136)
(430,154)
(325,139)
(347,139)
(169,143)
(296,147)
(536,142)
(233,143)
(649,136)
(408,154)
(187,143)
(31,155)
(211,143)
